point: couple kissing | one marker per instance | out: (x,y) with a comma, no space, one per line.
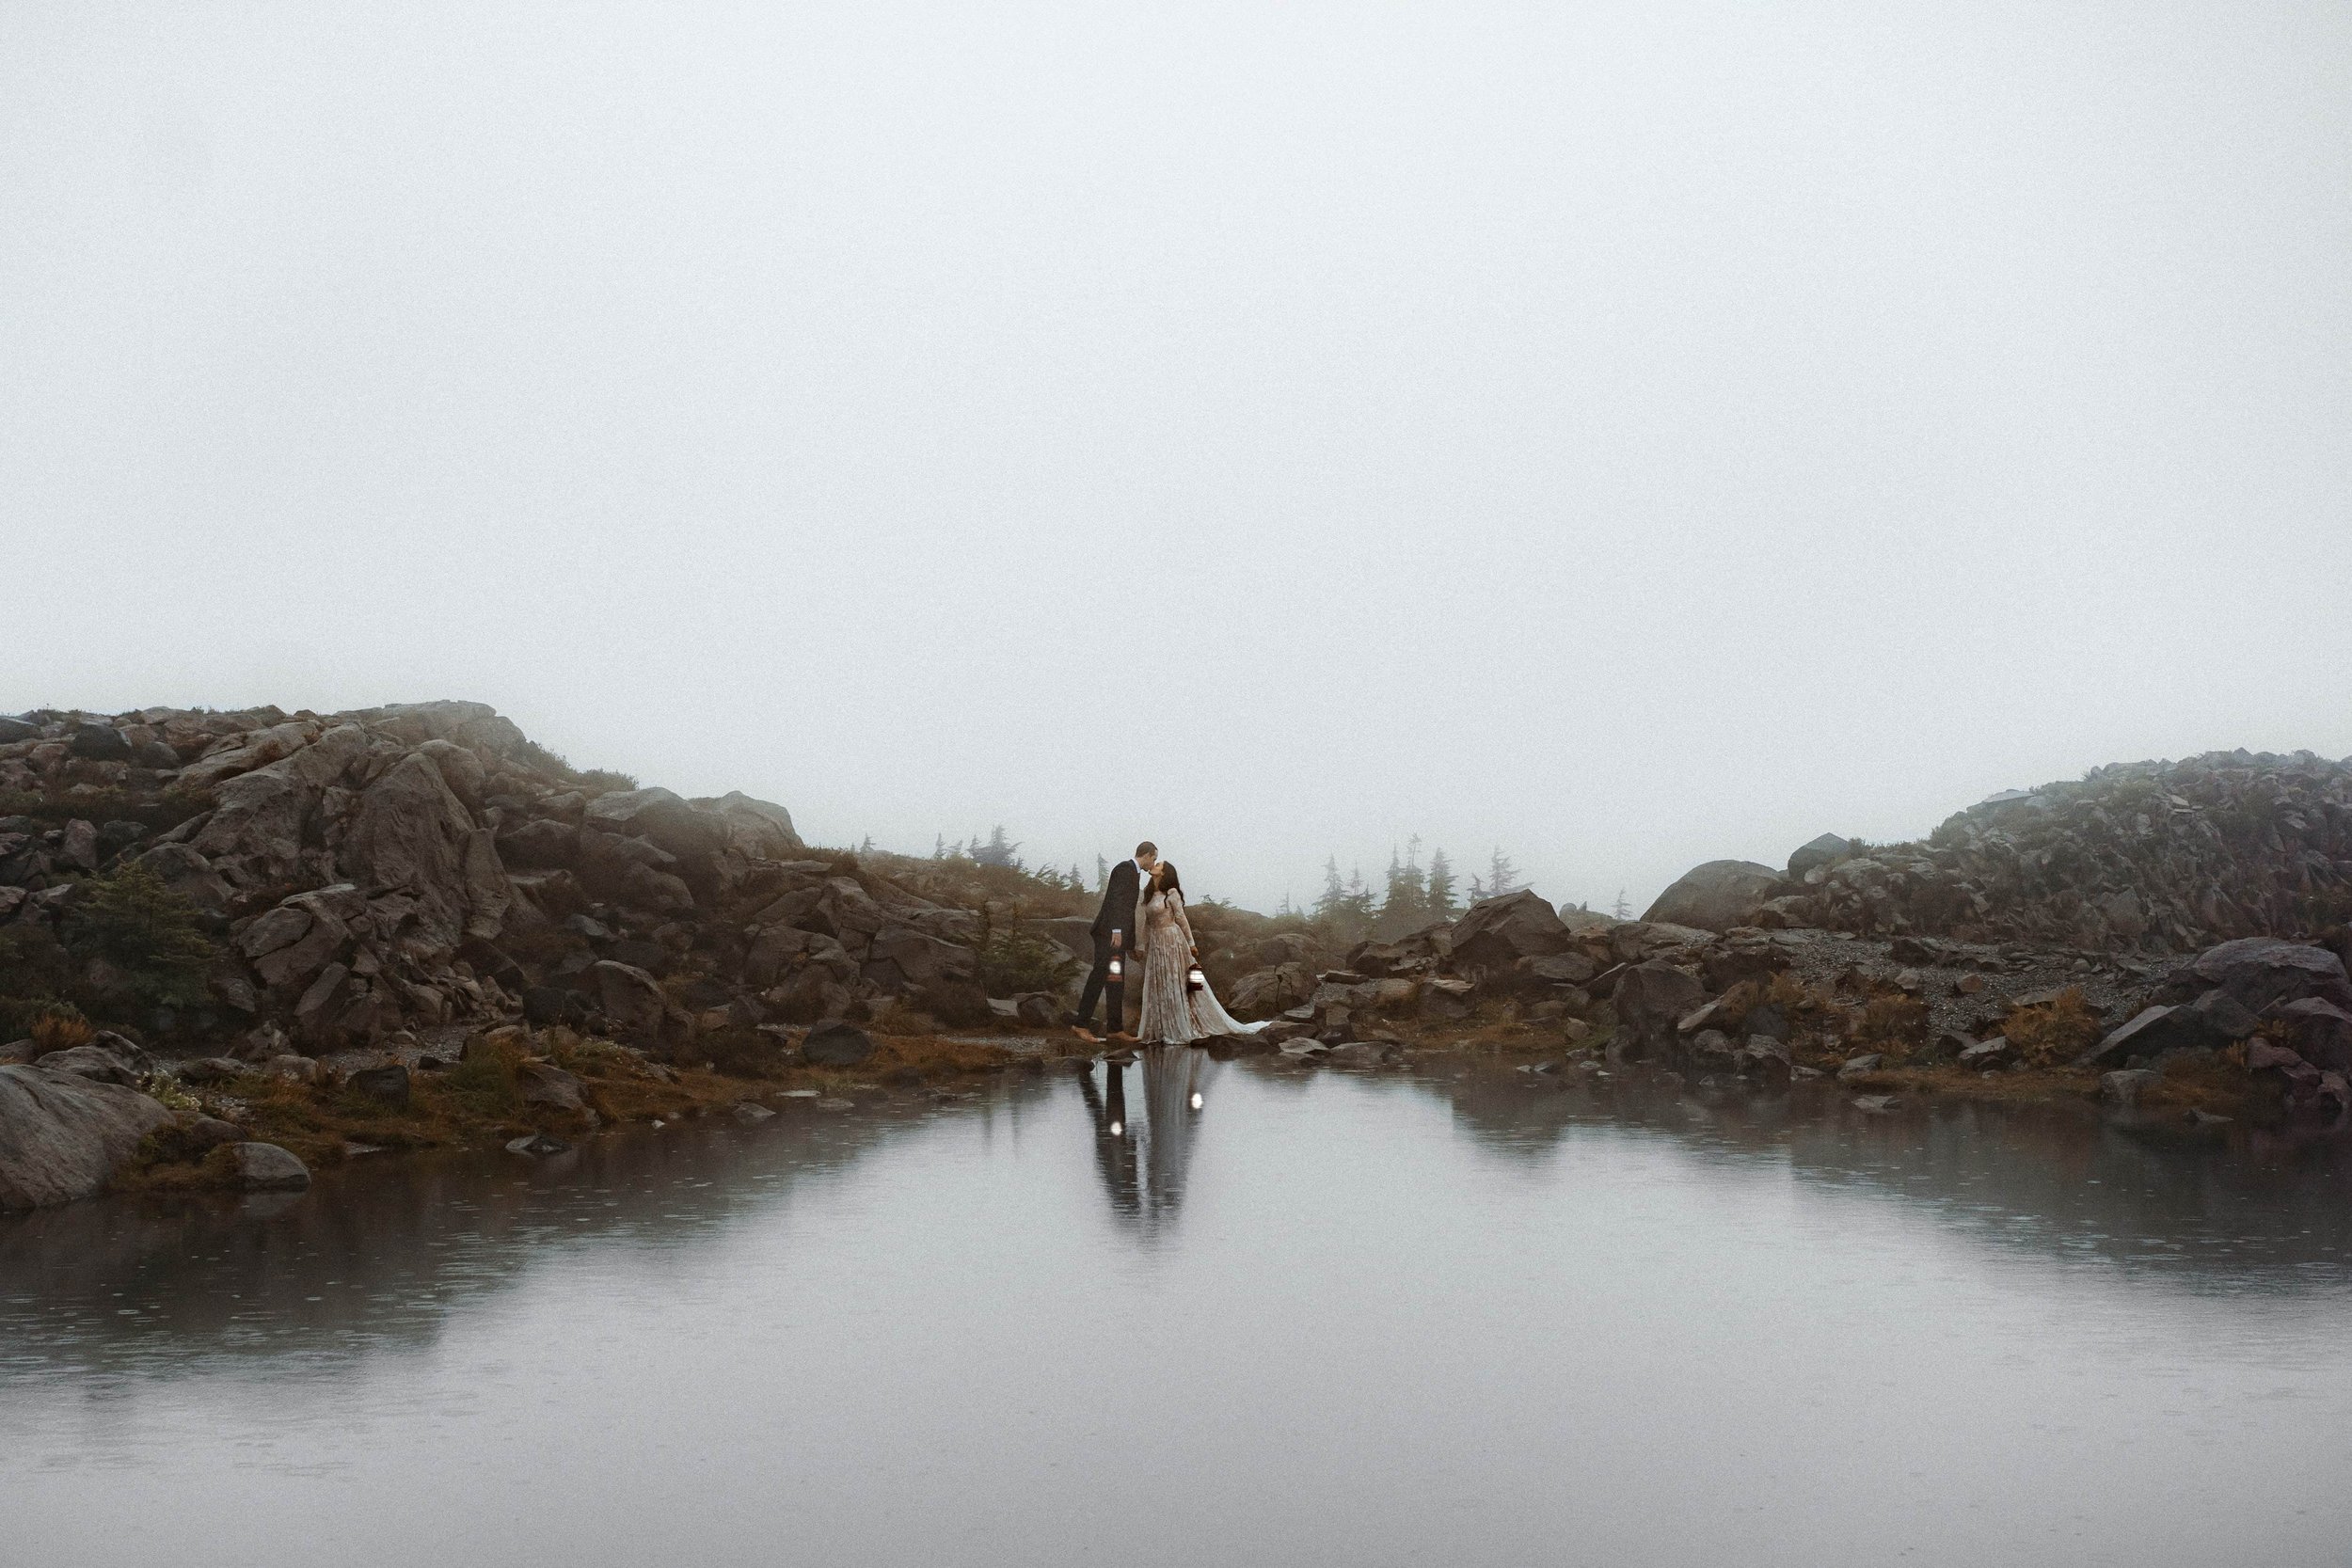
(1143,918)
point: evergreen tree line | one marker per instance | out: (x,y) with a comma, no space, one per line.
(1414,897)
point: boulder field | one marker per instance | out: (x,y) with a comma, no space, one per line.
(365,879)
(2150,858)
(424,864)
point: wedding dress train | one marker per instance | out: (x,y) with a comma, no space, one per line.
(1172,1013)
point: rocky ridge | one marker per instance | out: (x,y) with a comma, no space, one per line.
(2151,858)
(420,865)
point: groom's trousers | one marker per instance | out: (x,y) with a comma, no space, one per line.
(1096,978)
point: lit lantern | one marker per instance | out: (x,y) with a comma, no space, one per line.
(1194,979)
(1196,1100)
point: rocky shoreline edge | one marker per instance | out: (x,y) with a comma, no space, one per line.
(236,945)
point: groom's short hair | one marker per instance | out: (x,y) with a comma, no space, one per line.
(1145,847)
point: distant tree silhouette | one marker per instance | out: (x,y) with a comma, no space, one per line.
(1438,891)
(1502,875)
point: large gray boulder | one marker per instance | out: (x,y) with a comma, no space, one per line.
(2259,972)
(63,1136)
(760,829)
(412,834)
(632,999)
(901,956)
(1820,854)
(1716,896)
(662,817)
(1650,999)
(634,872)
(2151,1033)
(1500,931)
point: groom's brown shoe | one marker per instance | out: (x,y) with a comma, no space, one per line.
(1086,1034)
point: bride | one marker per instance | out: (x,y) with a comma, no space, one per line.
(1172,1012)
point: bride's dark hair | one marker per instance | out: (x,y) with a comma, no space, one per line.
(1164,879)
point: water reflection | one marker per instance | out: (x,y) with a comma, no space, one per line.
(2066,1180)
(381,1254)
(1142,1167)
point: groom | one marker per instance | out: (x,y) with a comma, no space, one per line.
(1121,911)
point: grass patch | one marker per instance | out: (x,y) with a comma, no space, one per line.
(2053,1031)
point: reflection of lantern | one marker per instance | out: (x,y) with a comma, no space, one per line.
(1196,1100)
(1119,962)
(1194,980)
(1118,1129)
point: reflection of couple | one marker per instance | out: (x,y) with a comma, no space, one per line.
(1143,914)
(1146,1186)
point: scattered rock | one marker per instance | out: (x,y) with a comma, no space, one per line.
(2123,1086)
(747,1112)
(837,1045)
(210,1133)
(268,1168)
(1989,1056)
(545,1084)
(1856,1067)
(388,1083)
(539,1145)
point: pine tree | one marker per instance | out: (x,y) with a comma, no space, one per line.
(1438,892)
(1361,909)
(1621,910)
(1404,905)
(1332,905)
(938,850)
(866,845)
(1077,882)
(1102,872)
(1502,875)
(998,850)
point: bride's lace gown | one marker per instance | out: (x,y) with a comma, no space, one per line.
(1172,1013)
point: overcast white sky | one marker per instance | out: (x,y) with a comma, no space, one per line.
(1631,433)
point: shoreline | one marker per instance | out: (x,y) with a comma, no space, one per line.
(513,1084)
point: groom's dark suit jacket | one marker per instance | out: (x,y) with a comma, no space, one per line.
(1118,904)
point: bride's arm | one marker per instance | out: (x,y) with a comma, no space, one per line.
(1184,923)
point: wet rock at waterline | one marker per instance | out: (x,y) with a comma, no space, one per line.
(62,1136)
(268,1168)
(837,1045)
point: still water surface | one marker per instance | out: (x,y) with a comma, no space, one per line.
(1316,1319)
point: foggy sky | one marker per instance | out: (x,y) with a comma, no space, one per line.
(1630,434)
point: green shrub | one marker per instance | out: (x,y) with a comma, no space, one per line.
(1014,962)
(486,1081)
(151,936)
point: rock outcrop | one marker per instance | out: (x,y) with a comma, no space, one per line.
(425,864)
(1718,896)
(2150,858)
(63,1135)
